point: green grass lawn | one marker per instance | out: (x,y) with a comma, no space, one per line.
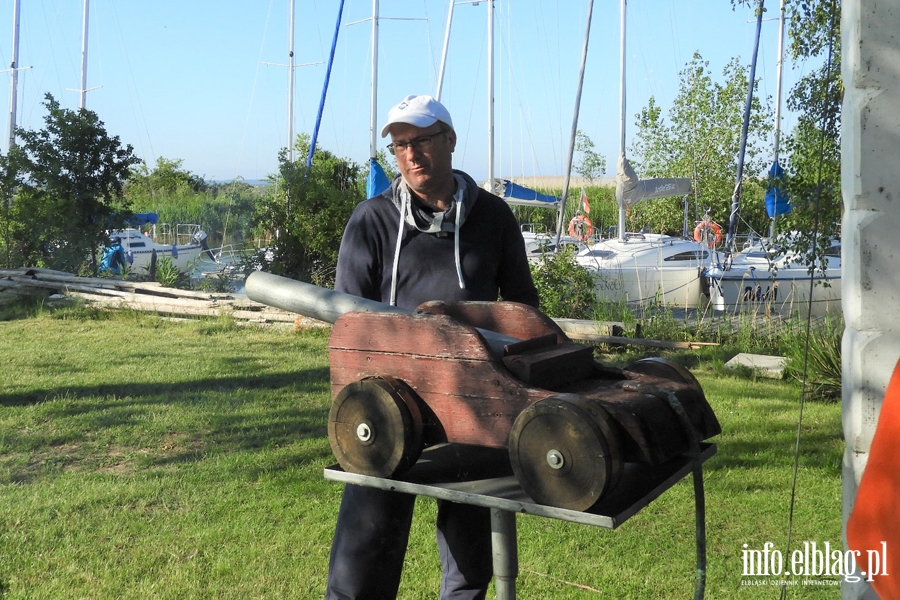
(142,458)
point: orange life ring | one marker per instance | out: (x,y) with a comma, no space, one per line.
(713,237)
(581,228)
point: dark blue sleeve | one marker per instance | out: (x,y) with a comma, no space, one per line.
(359,260)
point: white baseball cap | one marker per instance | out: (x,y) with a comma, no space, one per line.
(421,111)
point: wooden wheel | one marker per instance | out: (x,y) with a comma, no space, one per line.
(375,427)
(565,452)
(663,367)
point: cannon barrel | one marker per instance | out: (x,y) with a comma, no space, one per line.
(310,300)
(327,305)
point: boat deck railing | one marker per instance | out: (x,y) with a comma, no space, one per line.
(179,234)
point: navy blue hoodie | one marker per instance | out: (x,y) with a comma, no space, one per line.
(491,254)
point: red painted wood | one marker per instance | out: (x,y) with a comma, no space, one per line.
(471,397)
(509,318)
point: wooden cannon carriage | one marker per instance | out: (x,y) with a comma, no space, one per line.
(496,374)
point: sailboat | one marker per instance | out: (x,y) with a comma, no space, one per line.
(763,276)
(643,267)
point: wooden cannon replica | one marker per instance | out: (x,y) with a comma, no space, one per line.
(495,374)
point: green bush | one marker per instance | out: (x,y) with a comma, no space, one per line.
(566,289)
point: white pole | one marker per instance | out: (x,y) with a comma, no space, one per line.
(780,71)
(373,116)
(565,190)
(14,76)
(84,54)
(619,199)
(440,83)
(290,111)
(490,76)
(870,299)
(778,78)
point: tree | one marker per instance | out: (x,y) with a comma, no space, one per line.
(66,183)
(307,208)
(167,178)
(701,140)
(590,164)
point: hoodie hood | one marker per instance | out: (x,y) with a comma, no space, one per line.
(427,221)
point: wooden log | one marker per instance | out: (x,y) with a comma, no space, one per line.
(186,308)
(623,341)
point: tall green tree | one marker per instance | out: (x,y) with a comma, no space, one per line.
(700,139)
(306,210)
(65,182)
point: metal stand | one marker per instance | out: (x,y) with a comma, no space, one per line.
(482,477)
(506,554)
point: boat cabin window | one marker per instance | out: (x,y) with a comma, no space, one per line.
(604,254)
(691,255)
(833,250)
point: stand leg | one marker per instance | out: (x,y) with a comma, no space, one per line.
(506,558)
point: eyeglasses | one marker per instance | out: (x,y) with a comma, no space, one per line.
(419,144)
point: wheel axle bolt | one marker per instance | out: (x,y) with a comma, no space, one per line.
(555,459)
(364,432)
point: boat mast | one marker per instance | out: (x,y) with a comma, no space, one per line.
(619,191)
(334,40)
(779,71)
(490,76)
(83,90)
(14,76)
(373,106)
(440,82)
(736,196)
(290,108)
(84,54)
(565,190)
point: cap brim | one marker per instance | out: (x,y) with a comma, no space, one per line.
(415,120)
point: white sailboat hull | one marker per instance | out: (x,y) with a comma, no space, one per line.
(139,249)
(779,286)
(788,291)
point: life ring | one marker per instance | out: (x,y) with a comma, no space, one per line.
(581,228)
(708,231)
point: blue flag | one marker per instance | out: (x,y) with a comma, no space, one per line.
(378,181)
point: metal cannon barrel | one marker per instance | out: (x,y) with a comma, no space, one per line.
(310,300)
(327,305)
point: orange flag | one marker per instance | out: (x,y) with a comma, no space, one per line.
(584,202)
(873,529)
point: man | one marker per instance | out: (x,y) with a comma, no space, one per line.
(434,235)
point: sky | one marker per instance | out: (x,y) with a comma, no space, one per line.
(206,82)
